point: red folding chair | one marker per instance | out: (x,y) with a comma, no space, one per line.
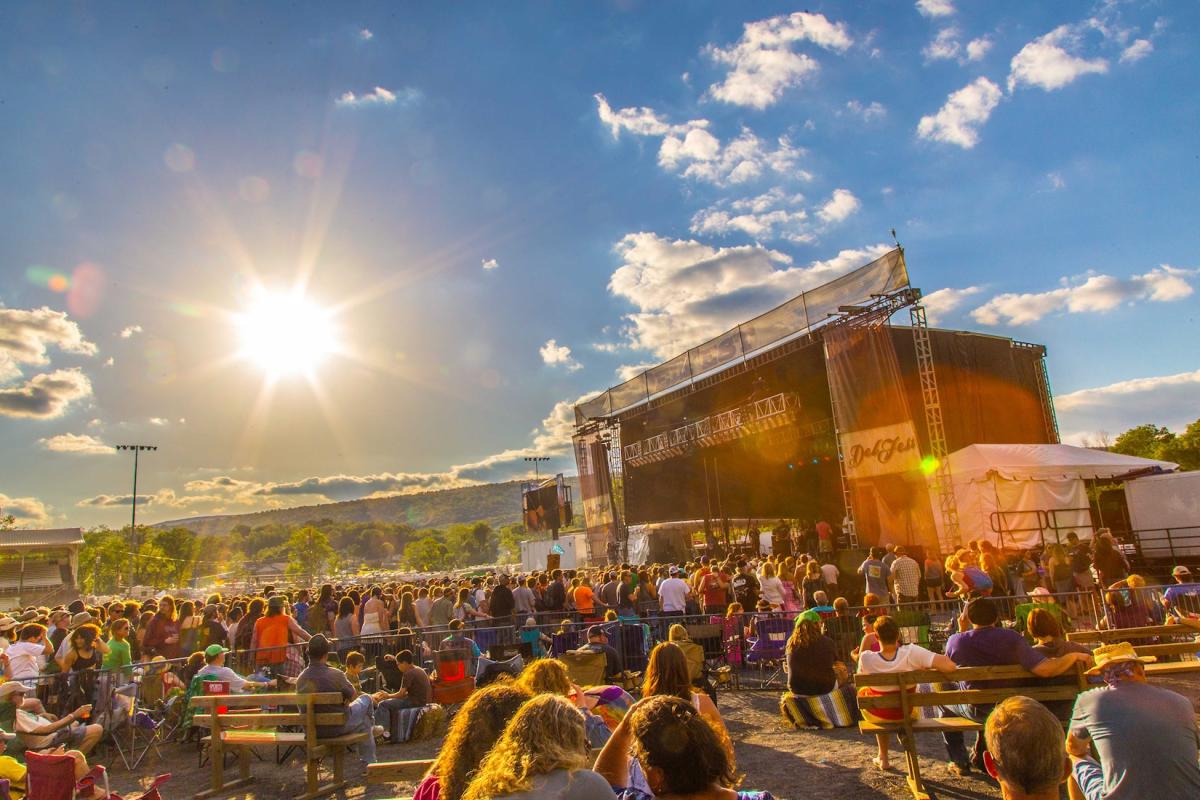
(51,776)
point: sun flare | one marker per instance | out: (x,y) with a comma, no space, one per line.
(285,333)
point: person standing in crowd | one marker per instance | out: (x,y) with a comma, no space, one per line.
(556,592)
(119,656)
(300,609)
(714,589)
(1022,573)
(1184,592)
(28,656)
(442,609)
(1025,752)
(584,598)
(1081,563)
(523,598)
(812,583)
(673,592)
(374,614)
(503,603)
(824,539)
(1146,736)
(875,573)
(273,633)
(422,605)
(1109,562)
(906,577)
(934,576)
(59,619)
(771,587)
(832,576)
(745,586)
(1058,569)
(981,642)
(318,676)
(345,628)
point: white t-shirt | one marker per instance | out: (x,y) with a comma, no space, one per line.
(26,659)
(771,590)
(908,657)
(673,592)
(830,573)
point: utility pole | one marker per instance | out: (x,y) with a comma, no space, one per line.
(537,460)
(133,537)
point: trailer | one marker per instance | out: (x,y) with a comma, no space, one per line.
(1164,511)
(573,553)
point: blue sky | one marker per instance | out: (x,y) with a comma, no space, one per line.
(503,207)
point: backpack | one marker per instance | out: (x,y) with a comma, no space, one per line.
(316,620)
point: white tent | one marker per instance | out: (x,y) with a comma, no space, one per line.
(1023,489)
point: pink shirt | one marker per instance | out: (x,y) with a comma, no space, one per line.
(428,789)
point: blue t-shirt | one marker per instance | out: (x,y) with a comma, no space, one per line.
(1146,738)
(1174,594)
(991,647)
(876,572)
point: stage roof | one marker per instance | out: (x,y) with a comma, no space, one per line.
(793,318)
(30,539)
(1043,461)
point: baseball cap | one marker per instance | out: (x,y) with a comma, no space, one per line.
(1181,570)
(1040,591)
(318,646)
(674,570)
(214,650)
(596,630)
(275,601)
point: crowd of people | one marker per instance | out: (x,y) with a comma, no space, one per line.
(531,736)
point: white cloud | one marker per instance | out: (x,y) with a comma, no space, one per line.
(1168,400)
(130,331)
(558,355)
(1137,51)
(1056,181)
(378,96)
(627,371)
(935,8)
(28,511)
(27,334)
(944,46)
(958,121)
(45,396)
(868,112)
(108,362)
(772,215)
(365,34)
(762,62)
(1051,62)
(77,443)
(840,206)
(490,263)
(978,48)
(686,292)
(943,301)
(160,421)
(1094,293)
(690,150)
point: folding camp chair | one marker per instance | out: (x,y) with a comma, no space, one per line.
(51,776)
(585,668)
(563,641)
(767,647)
(453,684)
(711,639)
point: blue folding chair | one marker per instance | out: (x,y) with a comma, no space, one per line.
(768,646)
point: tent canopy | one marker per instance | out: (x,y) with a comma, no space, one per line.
(1021,462)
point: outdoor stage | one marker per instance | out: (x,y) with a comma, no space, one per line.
(818,409)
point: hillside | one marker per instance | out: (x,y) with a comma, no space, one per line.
(495,503)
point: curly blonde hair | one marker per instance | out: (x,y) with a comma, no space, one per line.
(545,735)
(546,675)
(475,729)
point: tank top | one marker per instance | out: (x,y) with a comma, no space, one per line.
(343,628)
(272,636)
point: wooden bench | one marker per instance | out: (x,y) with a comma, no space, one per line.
(1188,646)
(238,722)
(395,771)
(908,699)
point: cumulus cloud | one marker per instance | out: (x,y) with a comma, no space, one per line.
(1137,51)
(966,110)
(627,371)
(944,46)
(365,34)
(1052,61)
(77,443)
(558,355)
(762,63)
(686,292)
(978,48)
(1168,400)
(840,206)
(28,511)
(935,8)
(691,150)
(45,396)
(1089,293)
(113,500)
(27,334)
(775,214)
(378,96)
(489,263)
(868,112)
(943,301)
(130,331)
(160,421)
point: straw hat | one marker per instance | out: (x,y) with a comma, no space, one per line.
(7,623)
(1116,654)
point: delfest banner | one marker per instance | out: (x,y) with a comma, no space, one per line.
(885,450)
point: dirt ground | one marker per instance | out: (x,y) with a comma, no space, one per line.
(790,763)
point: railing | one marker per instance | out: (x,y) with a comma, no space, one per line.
(1176,544)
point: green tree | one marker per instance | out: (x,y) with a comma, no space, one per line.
(309,553)
(427,555)
(8,522)
(181,545)
(1145,441)
(154,567)
(1184,449)
(510,543)
(103,559)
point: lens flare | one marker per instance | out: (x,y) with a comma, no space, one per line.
(929,465)
(285,333)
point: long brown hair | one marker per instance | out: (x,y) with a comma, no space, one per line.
(667,673)
(474,731)
(803,635)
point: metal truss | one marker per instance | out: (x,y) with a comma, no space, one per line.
(935,427)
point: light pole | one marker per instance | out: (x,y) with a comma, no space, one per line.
(537,460)
(136,448)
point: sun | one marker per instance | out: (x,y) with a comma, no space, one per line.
(285,333)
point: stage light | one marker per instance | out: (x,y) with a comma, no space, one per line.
(816,461)
(791,466)
(929,465)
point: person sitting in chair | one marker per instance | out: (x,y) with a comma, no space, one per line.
(318,676)
(214,669)
(40,731)
(598,643)
(415,691)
